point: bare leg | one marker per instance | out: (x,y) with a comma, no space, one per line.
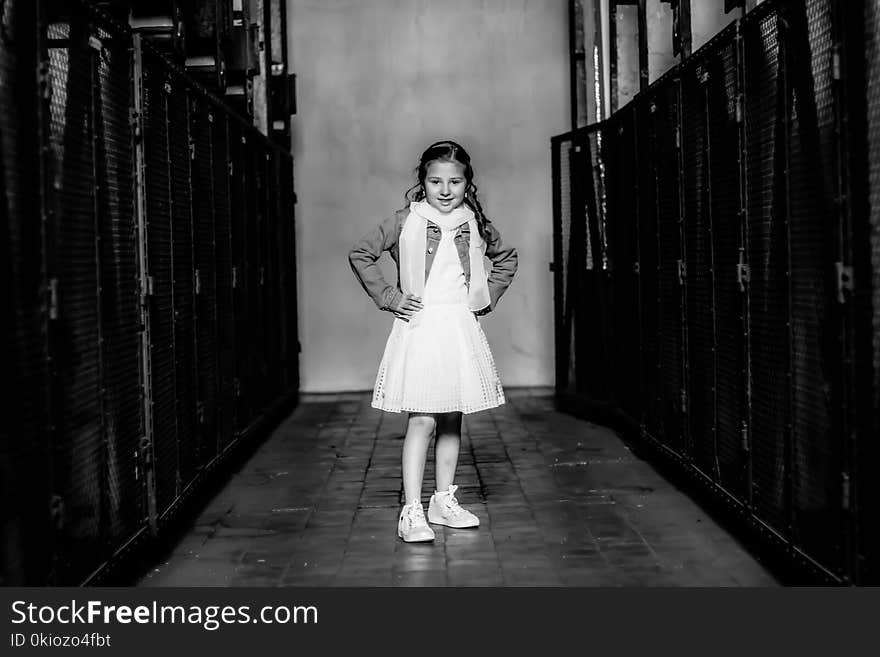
(446,448)
(415,449)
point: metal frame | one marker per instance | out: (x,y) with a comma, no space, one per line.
(851,335)
(120,515)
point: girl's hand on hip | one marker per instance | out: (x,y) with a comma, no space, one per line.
(409,306)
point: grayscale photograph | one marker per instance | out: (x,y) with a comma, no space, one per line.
(325,294)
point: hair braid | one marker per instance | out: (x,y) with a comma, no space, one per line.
(470,198)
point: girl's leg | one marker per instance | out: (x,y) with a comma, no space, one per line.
(446,448)
(415,449)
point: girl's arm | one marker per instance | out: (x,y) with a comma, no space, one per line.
(504,263)
(363,260)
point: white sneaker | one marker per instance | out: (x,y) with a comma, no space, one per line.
(443,509)
(411,526)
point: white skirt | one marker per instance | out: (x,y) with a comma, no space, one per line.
(438,362)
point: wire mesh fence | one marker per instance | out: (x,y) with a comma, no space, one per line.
(743,345)
(141,219)
(24,445)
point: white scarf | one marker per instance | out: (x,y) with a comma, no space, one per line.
(413,245)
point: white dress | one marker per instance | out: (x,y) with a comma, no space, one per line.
(440,360)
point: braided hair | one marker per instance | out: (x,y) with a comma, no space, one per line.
(449,151)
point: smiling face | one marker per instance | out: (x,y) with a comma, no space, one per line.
(445,184)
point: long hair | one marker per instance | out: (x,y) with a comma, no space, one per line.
(449,151)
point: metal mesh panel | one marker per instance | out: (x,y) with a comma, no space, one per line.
(597,256)
(593,320)
(273,275)
(727,240)
(79,184)
(241,310)
(79,455)
(258,385)
(611,146)
(868,451)
(278,247)
(203,180)
(120,312)
(225,317)
(289,256)
(816,447)
(669,311)
(751,173)
(648,264)
(565,338)
(24,476)
(270,301)
(159,267)
(618,155)
(578,294)
(699,272)
(184,298)
(768,288)
(626,300)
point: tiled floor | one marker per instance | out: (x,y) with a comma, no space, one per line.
(561,502)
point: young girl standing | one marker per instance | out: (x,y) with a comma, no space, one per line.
(437,364)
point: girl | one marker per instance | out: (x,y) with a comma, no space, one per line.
(437,364)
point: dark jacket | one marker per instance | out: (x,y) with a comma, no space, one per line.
(385,237)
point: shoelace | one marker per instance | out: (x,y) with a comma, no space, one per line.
(451,503)
(417,515)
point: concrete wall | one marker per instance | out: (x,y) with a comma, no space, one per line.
(708,19)
(660,57)
(377,82)
(627,30)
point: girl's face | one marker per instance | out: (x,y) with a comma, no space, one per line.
(444,185)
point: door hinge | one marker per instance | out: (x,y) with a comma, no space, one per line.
(636,267)
(53,298)
(44,79)
(684,401)
(237,387)
(134,120)
(743,275)
(682,271)
(844,280)
(145,451)
(235,277)
(745,437)
(200,412)
(262,275)
(197,282)
(56,511)
(845,491)
(151,288)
